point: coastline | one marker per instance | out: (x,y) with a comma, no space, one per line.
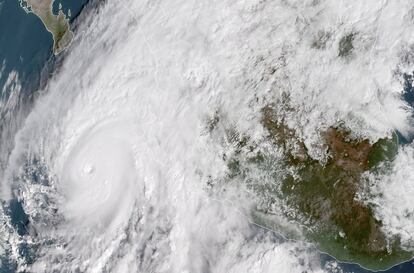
(58,25)
(54,63)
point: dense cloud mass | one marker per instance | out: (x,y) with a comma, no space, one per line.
(113,163)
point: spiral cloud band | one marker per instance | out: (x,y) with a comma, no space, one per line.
(118,144)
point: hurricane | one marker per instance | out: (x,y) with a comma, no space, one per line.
(119,164)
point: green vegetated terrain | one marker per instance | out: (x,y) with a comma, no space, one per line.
(322,196)
(325,194)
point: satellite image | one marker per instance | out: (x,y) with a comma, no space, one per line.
(194,136)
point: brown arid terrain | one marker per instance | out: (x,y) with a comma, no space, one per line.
(325,193)
(57,25)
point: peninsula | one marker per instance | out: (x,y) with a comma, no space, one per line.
(57,25)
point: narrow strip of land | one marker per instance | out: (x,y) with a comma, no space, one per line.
(57,25)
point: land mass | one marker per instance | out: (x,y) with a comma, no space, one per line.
(320,195)
(324,194)
(57,25)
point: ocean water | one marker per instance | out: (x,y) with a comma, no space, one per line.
(73,6)
(26,49)
(406,267)
(25,44)
(26,60)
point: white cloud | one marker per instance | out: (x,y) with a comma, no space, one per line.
(393,198)
(120,126)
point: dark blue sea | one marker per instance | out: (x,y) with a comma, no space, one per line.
(26,47)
